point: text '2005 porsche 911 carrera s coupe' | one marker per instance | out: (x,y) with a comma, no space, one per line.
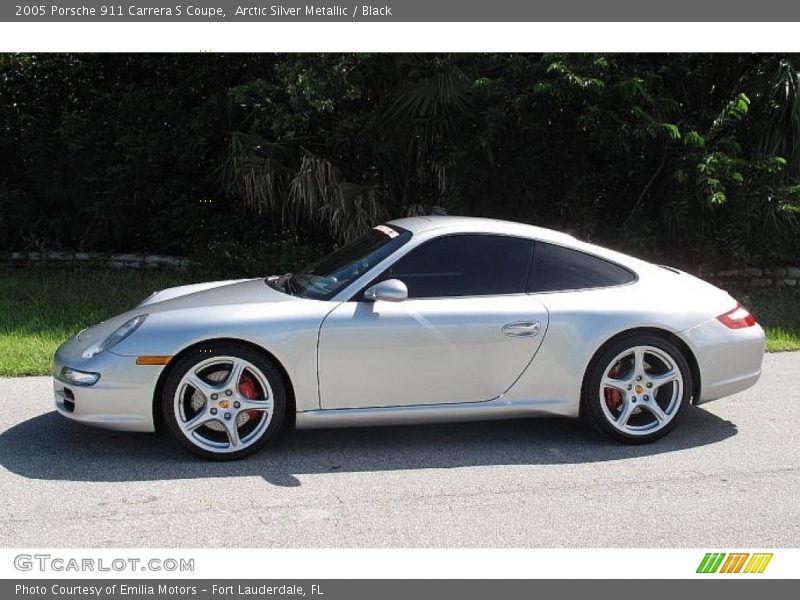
(421,320)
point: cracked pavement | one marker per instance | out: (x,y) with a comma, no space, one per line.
(727,477)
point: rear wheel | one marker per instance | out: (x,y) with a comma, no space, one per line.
(637,388)
(224,401)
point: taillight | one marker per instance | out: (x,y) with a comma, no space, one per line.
(737,318)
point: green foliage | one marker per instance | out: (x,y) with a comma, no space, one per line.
(233,259)
(693,158)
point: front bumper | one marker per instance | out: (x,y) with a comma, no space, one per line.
(729,359)
(123,397)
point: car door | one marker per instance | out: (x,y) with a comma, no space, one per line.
(465,334)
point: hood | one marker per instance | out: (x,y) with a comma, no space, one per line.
(214,293)
(182,290)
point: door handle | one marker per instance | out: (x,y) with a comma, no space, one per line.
(521,328)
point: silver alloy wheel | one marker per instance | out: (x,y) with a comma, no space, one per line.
(641,390)
(223,404)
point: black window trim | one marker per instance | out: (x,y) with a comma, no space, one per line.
(582,289)
(359,296)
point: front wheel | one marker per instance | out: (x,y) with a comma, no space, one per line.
(223,401)
(636,389)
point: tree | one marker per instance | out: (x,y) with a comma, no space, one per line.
(694,157)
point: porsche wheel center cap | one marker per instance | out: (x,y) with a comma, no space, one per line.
(639,389)
(224,403)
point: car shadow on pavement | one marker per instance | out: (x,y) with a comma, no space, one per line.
(50,447)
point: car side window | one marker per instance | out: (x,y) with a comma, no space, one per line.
(556,268)
(464,265)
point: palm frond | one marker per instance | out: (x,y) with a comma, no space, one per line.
(288,182)
(781,134)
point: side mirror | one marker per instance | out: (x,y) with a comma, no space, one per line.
(391,290)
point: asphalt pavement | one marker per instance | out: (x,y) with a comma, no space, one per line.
(727,477)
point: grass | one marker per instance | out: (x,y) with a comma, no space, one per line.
(42,307)
(779,315)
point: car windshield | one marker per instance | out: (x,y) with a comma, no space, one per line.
(324,278)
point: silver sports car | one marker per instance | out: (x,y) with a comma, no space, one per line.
(422,319)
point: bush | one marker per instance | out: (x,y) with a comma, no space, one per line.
(693,157)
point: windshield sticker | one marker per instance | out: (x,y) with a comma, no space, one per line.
(387,230)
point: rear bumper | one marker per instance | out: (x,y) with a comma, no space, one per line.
(729,359)
(122,399)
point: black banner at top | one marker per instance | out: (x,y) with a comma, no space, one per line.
(401,11)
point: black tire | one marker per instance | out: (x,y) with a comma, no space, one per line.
(593,399)
(204,354)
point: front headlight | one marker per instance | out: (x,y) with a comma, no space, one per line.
(77,377)
(115,338)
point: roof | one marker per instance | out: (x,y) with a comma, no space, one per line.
(480,225)
(453,224)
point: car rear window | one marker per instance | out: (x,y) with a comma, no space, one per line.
(556,268)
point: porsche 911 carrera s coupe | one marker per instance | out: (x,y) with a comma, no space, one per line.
(420,320)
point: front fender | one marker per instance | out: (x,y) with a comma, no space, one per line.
(289,333)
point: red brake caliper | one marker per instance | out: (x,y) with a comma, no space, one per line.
(613,397)
(247,388)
